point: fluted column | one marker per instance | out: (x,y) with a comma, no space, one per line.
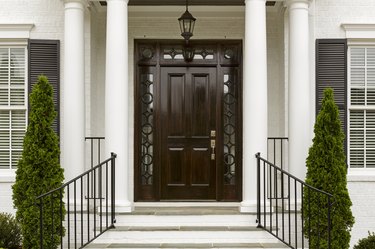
(73,135)
(299,87)
(254,97)
(116,98)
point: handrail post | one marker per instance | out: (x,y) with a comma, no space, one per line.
(258,190)
(329,221)
(113,163)
(41,222)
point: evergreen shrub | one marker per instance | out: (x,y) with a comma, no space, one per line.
(39,171)
(326,170)
(10,232)
(366,243)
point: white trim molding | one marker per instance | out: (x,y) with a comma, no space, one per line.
(15,31)
(359,30)
(7,176)
(361,175)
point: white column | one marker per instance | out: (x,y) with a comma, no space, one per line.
(73,135)
(299,87)
(254,98)
(116,98)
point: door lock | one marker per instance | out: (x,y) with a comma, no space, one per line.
(213,133)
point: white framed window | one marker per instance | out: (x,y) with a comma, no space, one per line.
(13,103)
(361,117)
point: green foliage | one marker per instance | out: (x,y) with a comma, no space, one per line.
(366,243)
(10,232)
(326,170)
(39,171)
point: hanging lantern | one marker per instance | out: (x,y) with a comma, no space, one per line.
(187,22)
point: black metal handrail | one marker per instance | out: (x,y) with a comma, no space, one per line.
(95,148)
(285,216)
(85,219)
(95,159)
(276,148)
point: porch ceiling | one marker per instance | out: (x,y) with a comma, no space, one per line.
(193,2)
(182,2)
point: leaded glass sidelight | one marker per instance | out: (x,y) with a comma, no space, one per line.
(229,127)
(147,128)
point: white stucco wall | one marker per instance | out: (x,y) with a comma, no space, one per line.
(328,17)
(330,14)
(48,19)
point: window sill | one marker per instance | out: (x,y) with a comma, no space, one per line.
(361,175)
(7,176)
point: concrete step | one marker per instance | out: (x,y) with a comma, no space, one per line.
(190,245)
(185,216)
(186,227)
(182,220)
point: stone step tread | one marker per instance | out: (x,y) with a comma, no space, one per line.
(185,211)
(186,237)
(186,228)
(188,245)
(185,217)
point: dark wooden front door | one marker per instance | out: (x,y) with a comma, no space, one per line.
(188,106)
(188,133)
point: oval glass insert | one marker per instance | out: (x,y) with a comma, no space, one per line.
(228,54)
(147,53)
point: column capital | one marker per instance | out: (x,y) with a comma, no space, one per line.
(247,1)
(298,4)
(76,3)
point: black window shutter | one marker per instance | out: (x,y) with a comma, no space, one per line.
(44,58)
(331,71)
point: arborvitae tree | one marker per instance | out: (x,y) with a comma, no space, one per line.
(39,171)
(326,170)
(366,243)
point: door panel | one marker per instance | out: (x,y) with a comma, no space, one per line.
(176,104)
(200,165)
(176,170)
(200,92)
(188,107)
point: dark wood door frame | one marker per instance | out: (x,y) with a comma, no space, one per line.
(150,57)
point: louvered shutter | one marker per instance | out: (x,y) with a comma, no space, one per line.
(44,58)
(331,71)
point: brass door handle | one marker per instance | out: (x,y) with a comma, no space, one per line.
(213,146)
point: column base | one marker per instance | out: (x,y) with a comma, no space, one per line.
(248,207)
(124,207)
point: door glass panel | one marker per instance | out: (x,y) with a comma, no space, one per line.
(147,128)
(229,127)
